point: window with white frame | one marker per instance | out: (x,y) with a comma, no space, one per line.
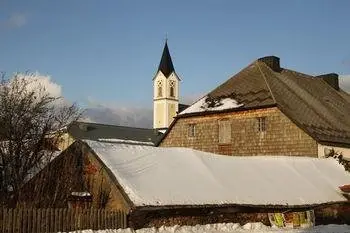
(192,130)
(261,124)
(224,131)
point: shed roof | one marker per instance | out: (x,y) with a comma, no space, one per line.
(154,176)
(310,102)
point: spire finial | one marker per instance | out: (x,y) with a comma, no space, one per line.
(166,37)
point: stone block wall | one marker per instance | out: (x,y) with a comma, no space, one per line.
(281,135)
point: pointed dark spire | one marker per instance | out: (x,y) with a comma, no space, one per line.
(166,65)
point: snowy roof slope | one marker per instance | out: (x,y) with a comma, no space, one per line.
(181,176)
(202,105)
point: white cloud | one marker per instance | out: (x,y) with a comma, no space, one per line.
(42,85)
(118,114)
(190,99)
(37,80)
(344,82)
(15,20)
(125,116)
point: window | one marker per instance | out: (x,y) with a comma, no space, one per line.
(172,88)
(192,130)
(160,90)
(261,121)
(224,132)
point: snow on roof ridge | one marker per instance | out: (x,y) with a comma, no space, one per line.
(117,140)
(202,105)
(183,176)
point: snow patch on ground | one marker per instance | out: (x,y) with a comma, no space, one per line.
(203,105)
(229,228)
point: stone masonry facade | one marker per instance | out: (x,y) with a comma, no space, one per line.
(253,132)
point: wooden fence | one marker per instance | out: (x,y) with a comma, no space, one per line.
(59,220)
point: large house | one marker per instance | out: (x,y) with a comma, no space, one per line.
(267,110)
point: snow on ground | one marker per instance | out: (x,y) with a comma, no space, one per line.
(183,176)
(230,228)
(218,105)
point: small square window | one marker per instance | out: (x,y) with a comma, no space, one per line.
(192,130)
(261,121)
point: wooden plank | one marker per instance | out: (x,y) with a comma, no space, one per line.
(102,219)
(42,221)
(5,218)
(71,225)
(19,221)
(30,220)
(64,227)
(95,219)
(87,219)
(74,219)
(10,224)
(47,220)
(34,222)
(115,217)
(125,222)
(71,217)
(67,223)
(1,219)
(13,225)
(98,219)
(108,219)
(38,219)
(60,220)
(92,219)
(51,220)
(24,220)
(56,220)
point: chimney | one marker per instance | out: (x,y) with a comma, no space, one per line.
(332,79)
(272,61)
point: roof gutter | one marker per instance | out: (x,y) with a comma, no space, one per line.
(247,206)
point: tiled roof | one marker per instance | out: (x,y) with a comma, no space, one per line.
(309,101)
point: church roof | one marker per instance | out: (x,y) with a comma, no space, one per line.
(166,64)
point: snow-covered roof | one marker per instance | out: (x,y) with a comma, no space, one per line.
(182,176)
(122,141)
(206,104)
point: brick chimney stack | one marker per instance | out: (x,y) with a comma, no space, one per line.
(332,79)
(272,61)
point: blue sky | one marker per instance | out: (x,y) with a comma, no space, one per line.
(98,50)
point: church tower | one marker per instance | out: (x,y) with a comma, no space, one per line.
(165,92)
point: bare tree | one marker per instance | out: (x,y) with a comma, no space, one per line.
(31,122)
